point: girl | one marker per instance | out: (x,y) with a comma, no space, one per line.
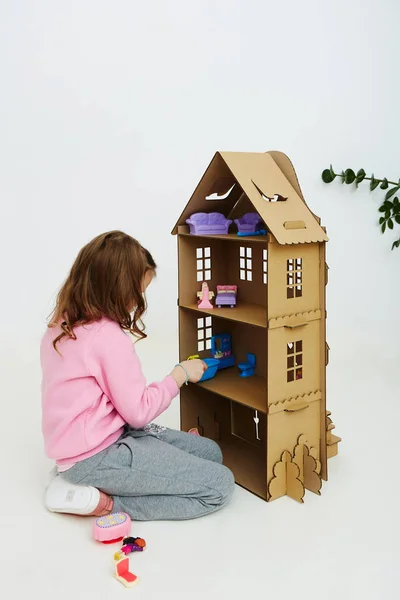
(97,408)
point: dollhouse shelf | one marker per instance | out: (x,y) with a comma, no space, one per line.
(250,391)
(245,312)
(230,236)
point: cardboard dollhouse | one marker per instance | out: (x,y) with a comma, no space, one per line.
(248,228)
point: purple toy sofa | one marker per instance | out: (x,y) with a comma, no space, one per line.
(208,224)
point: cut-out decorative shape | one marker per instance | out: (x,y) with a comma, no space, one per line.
(294,225)
(286,479)
(309,466)
(274,198)
(256,421)
(216,196)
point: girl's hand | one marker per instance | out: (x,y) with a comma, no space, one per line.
(195,369)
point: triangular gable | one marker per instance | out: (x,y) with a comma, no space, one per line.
(262,181)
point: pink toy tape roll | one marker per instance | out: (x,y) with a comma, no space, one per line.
(112,527)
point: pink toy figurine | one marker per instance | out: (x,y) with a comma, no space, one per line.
(205,296)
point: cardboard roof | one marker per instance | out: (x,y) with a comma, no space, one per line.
(264,182)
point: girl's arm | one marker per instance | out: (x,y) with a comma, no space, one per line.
(113,361)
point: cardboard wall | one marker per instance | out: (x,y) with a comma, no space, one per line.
(279,388)
(284,429)
(278,302)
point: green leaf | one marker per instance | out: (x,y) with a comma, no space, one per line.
(349,176)
(373,184)
(382,208)
(395,244)
(343,176)
(383,227)
(327,176)
(381,220)
(397,219)
(390,224)
(396,201)
(392,192)
(388,204)
(384,184)
(332,172)
(360,175)
(387,214)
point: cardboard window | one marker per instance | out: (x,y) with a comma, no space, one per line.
(204,334)
(294,361)
(203,264)
(294,280)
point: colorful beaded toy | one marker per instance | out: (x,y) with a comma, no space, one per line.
(130,544)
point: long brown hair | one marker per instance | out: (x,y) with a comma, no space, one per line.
(106,280)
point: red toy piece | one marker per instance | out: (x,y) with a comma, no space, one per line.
(123,574)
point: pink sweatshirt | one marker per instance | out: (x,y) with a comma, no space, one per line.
(93,389)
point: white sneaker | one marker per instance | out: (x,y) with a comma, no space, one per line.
(64,497)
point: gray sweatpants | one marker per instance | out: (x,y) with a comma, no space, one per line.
(158,473)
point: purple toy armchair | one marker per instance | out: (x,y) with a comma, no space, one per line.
(248,222)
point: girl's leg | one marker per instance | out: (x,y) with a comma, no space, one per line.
(154,480)
(194,444)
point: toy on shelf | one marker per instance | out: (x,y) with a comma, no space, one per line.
(208,224)
(254,233)
(112,528)
(247,369)
(221,349)
(212,368)
(248,223)
(123,574)
(226,295)
(205,296)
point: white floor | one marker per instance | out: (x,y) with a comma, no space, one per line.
(342,544)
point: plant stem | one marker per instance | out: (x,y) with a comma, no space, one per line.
(370,179)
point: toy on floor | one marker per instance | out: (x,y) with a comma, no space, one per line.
(245,233)
(247,369)
(208,224)
(123,574)
(129,545)
(205,296)
(221,349)
(112,528)
(226,295)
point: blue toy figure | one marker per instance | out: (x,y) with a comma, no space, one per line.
(221,349)
(248,368)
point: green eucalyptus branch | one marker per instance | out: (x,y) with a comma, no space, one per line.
(390,207)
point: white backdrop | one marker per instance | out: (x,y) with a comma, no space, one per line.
(109,114)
